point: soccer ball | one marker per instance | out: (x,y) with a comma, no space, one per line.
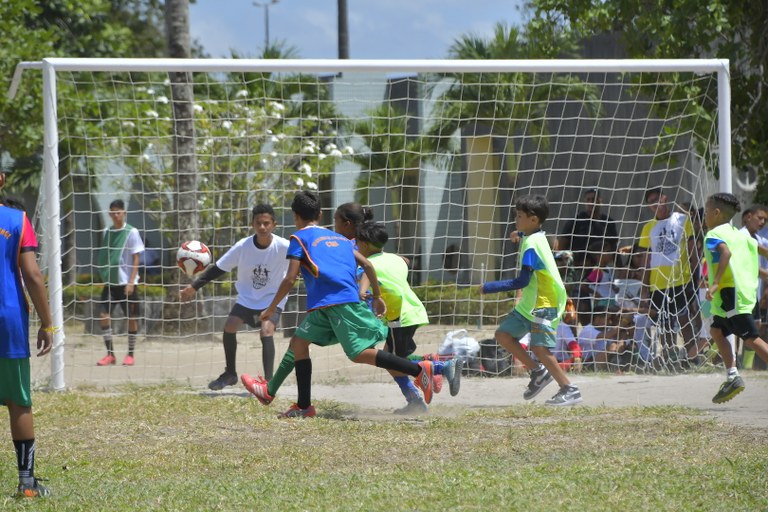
(193,257)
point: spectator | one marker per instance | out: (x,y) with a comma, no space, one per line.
(668,291)
(600,337)
(118,265)
(752,221)
(590,226)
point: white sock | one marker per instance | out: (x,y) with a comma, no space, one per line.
(733,373)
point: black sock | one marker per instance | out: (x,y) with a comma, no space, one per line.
(230,352)
(25,459)
(131,342)
(268,355)
(304,382)
(390,361)
(106,332)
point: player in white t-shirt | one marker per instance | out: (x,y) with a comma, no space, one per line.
(261,265)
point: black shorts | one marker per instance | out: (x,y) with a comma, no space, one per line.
(742,325)
(677,300)
(251,316)
(401,338)
(113,296)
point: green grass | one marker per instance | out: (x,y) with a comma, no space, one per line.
(168,448)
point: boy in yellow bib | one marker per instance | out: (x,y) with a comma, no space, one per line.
(540,307)
(732,260)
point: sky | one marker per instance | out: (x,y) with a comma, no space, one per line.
(378,29)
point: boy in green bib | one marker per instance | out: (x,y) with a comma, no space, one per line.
(540,307)
(732,261)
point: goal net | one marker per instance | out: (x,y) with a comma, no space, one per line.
(440,150)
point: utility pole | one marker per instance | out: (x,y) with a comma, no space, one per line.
(343,30)
(266,5)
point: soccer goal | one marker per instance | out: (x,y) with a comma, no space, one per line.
(440,150)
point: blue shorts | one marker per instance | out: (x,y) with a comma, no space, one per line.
(543,334)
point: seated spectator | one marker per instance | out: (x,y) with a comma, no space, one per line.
(600,337)
(567,352)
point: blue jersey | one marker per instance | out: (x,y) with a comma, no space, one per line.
(328,266)
(14,310)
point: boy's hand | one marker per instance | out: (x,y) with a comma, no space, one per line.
(379,307)
(267,314)
(44,341)
(711,291)
(480,289)
(187,293)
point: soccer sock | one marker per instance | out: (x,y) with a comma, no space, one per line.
(230,352)
(268,355)
(107,333)
(407,387)
(304,383)
(284,369)
(733,373)
(392,362)
(25,459)
(131,342)
(437,367)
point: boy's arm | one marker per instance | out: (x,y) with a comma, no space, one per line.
(33,279)
(134,273)
(762,250)
(286,285)
(725,258)
(517,283)
(379,307)
(208,275)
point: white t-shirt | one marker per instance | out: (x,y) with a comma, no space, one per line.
(590,345)
(259,271)
(564,337)
(133,245)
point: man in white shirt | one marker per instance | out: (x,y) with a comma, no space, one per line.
(753,224)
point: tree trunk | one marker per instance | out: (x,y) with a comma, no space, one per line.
(177,32)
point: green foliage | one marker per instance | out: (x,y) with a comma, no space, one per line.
(452,304)
(687,29)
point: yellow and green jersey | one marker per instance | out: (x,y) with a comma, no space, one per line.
(742,272)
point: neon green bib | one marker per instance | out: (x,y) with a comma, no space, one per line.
(742,273)
(546,289)
(402,302)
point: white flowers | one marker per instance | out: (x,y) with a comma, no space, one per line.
(306,169)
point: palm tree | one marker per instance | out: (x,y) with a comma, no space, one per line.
(392,160)
(491,108)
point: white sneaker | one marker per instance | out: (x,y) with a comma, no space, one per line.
(568,395)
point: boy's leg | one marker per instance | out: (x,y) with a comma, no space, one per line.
(264,390)
(733,384)
(759,346)
(549,361)
(229,377)
(267,336)
(303,406)
(513,346)
(105,322)
(132,311)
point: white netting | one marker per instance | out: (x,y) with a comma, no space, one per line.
(441,158)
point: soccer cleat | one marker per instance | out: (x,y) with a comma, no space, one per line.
(437,383)
(224,380)
(36,490)
(257,387)
(415,407)
(539,380)
(295,412)
(128,361)
(568,395)
(729,389)
(425,380)
(106,360)
(452,373)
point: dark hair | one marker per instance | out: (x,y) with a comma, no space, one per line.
(355,213)
(374,233)
(12,202)
(306,204)
(592,190)
(727,203)
(654,190)
(534,205)
(263,208)
(753,210)
(117,203)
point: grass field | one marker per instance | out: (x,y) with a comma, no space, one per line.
(174,448)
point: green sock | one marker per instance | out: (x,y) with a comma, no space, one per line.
(284,369)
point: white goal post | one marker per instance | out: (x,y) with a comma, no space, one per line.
(528,155)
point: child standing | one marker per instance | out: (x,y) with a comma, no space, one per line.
(540,307)
(17,263)
(261,266)
(733,269)
(328,263)
(405,313)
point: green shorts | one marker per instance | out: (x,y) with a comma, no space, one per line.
(352,325)
(15,382)
(543,334)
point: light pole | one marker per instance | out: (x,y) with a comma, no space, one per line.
(266,5)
